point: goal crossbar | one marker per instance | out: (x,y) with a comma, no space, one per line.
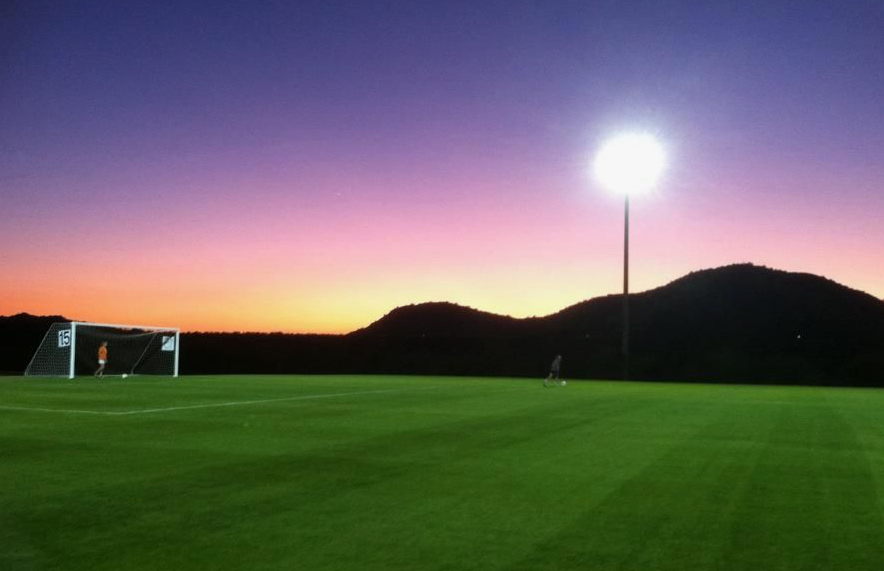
(122,326)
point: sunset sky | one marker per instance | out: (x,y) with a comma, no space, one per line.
(308,166)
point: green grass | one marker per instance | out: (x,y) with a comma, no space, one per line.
(437,473)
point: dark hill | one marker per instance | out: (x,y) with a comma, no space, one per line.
(448,339)
(440,319)
(740,323)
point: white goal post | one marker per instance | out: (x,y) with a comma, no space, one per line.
(72,347)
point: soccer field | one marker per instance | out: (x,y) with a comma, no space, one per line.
(414,473)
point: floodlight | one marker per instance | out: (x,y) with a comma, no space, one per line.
(630,163)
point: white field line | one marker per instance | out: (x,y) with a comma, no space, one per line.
(71,411)
(209,405)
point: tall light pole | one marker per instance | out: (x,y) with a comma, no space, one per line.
(625,345)
(629,164)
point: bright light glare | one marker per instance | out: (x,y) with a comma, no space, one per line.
(630,163)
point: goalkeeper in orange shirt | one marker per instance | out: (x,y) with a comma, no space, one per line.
(102,359)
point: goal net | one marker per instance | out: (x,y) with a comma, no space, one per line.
(71,348)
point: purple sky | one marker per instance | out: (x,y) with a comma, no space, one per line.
(308,166)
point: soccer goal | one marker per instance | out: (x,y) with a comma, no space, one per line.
(71,348)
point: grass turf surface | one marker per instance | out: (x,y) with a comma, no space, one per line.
(349,472)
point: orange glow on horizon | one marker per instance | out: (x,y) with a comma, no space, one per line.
(338,309)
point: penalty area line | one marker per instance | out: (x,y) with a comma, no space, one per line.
(210,405)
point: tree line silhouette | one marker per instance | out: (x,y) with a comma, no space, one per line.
(737,324)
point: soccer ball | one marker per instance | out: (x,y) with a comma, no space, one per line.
(564,383)
(125,375)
